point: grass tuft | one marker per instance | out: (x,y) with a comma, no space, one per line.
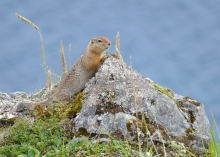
(213,146)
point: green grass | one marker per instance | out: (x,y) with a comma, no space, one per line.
(47,136)
(213,146)
(42,135)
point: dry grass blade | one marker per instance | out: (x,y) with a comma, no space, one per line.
(118,41)
(117,47)
(63,59)
(42,47)
(135,101)
(69,56)
(50,80)
(42,50)
(28,21)
(118,55)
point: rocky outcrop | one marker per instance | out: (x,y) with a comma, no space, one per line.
(119,99)
(122,103)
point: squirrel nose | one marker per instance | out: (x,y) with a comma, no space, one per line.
(109,44)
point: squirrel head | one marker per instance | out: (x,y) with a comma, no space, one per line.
(99,44)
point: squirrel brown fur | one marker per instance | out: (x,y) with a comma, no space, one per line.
(84,69)
(80,73)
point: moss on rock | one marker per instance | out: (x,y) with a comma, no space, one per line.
(192,101)
(188,130)
(73,107)
(164,90)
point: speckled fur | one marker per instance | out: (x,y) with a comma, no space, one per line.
(80,73)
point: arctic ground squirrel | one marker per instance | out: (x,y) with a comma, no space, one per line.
(80,73)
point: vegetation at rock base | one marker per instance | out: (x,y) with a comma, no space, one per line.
(48,136)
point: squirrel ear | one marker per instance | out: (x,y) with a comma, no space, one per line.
(92,41)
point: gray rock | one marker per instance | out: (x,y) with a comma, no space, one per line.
(112,102)
(15,104)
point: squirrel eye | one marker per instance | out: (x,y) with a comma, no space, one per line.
(99,41)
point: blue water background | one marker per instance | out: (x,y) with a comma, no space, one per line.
(176,43)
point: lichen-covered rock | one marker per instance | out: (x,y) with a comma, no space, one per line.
(11,106)
(121,102)
(121,99)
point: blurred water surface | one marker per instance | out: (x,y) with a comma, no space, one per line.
(175,43)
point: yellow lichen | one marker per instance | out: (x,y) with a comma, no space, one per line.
(188,130)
